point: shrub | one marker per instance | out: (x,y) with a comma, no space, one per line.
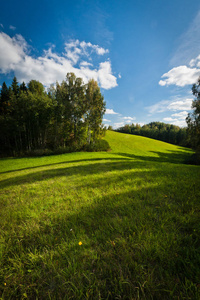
(99,145)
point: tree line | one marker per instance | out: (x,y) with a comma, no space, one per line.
(66,116)
(159,131)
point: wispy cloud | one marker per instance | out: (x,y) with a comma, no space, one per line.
(178,119)
(76,49)
(85,64)
(195,62)
(97,16)
(189,43)
(52,67)
(1,25)
(186,68)
(12,27)
(118,124)
(111,112)
(176,104)
(129,118)
(181,115)
(106,120)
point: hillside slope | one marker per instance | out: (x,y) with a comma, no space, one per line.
(145,148)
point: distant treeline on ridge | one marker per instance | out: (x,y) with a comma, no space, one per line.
(159,131)
(67,116)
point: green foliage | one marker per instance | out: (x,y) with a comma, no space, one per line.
(15,87)
(99,145)
(4,99)
(159,131)
(134,210)
(33,121)
(95,110)
(36,87)
(193,119)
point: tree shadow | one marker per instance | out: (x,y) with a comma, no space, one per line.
(118,164)
(113,230)
(175,157)
(64,162)
(125,235)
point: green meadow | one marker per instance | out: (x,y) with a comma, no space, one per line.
(123,224)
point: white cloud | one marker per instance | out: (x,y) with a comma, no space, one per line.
(177,119)
(129,118)
(51,67)
(99,50)
(72,51)
(110,112)
(141,124)
(12,52)
(181,115)
(106,120)
(85,64)
(180,76)
(105,75)
(195,62)
(180,104)
(1,25)
(177,122)
(75,49)
(119,75)
(12,27)
(169,119)
(117,125)
(177,103)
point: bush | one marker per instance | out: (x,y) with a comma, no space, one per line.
(38,152)
(99,145)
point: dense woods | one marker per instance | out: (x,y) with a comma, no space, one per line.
(67,117)
(159,131)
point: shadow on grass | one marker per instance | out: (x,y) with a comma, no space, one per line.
(136,244)
(176,157)
(129,239)
(93,166)
(63,162)
(118,164)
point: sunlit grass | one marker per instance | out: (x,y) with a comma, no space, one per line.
(116,225)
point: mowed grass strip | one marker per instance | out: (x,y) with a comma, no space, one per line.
(117,225)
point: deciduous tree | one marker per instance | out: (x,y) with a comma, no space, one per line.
(193,119)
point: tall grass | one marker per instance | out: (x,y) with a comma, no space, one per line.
(117,225)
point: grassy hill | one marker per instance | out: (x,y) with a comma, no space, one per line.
(117,225)
(143,148)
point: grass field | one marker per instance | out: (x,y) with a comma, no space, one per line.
(123,224)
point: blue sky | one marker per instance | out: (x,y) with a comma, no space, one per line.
(145,54)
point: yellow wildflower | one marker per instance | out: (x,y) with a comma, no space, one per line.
(113,243)
(80,243)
